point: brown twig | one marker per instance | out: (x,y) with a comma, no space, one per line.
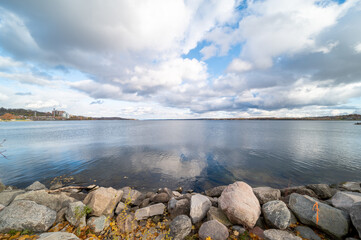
(90,187)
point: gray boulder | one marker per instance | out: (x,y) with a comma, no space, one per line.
(121,206)
(323,191)
(240,204)
(152,210)
(213,229)
(52,201)
(160,198)
(345,200)
(6,197)
(76,214)
(103,201)
(131,196)
(199,207)
(178,207)
(215,192)
(180,227)
(351,186)
(36,186)
(57,236)
(307,233)
(266,194)
(331,220)
(98,224)
(26,215)
(355,214)
(217,214)
(274,234)
(276,214)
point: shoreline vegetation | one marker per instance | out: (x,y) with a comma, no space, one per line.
(30,115)
(235,211)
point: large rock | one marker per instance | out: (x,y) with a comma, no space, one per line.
(36,186)
(26,215)
(76,214)
(307,233)
(98,224)
(300,190)
(266,194)
(240,204)
(274,234)
(345,200)
(323,191)
(355,214)
(216,191)
(103,201)
(180,227)
(178,207)
(57,236)
(131,196)
(276,214)
(153,210)
(52,201)
(6,197)
(351,186)
(217,214)
(199,207)
(213,229)
(331,220)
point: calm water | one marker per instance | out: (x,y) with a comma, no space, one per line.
(193,154)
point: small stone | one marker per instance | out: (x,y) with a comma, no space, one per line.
(214,201)
(176,194)
(274,234)
(180,227)
(300,190)
(216,191)
(57,236)
(149,194)
(161,198)
(98,224)
(239,229)
(307,233)
(76,214)
(179,189)
(35,186)
(323,191)
(259,232)
(199,207)
(6,197)
(266,194)
(217,214)
(213,229)
(144,203)
(120,208)
(345,200)
(190,191)
(355,214)
(144,213)
(276,214)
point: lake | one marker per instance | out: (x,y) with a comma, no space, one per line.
(194,154)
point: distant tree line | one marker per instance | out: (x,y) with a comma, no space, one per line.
(23,112)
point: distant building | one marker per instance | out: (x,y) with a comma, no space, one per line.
(57,113)
(66,115)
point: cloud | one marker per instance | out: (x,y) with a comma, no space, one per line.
(237,65)
(358,48)
(45,104)
(99,101)
(3,97)
(23,93)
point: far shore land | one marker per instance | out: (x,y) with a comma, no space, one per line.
(235,211)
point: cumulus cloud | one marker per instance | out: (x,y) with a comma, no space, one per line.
(358,48)
(237,65)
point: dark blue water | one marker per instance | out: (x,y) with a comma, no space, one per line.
(193,154)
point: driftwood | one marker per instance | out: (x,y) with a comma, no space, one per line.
(90,187)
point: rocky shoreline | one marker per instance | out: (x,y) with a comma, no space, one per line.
(236,211)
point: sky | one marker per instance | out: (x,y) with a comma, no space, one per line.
(159,59)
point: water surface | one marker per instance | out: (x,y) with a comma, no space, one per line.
(193,154)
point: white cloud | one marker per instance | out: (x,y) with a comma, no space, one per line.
(3,97)
(45,104)
(209,51)
(238,65)
(6,62)
(358,48)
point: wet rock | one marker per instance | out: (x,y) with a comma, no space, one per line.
(36,186)
(26,215)
(160,198)
(240,204)
(323,191)
(131,196)
(276,214)
(331,220)
(199,207)
(127,224)
(103,201)
(180,227)
(176,194)
(52,201)
(144,213)
(178,207)
(56,186)
(299,189)
(266,194)
(76,214)
(217,214)
(57,236)
(307,233)
(179,189)
(121,206)
(355,214)
(213,229)
(274,234)
(345,200)
(351,186)
(6,197)
(149,194)
(215,192)
(98,224)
